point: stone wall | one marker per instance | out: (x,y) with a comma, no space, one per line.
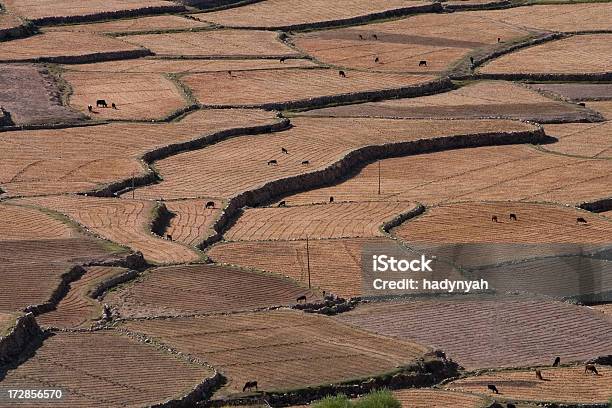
(89,18)
(22,334)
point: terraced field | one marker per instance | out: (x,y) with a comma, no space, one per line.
(185,176)
(124,221)
(582,139)
(481,333)
(483,99)
(279,13)
(578,91)
(274,86)
(282,349)
(134,25)
(85,158)
(574,55)
(339,220)
(564,385)
(517,173)
(429,398)
(109,370)
(214,43)
(439,39)
(78,308)
(62,45)
(192,221)
(199,289)
(137,96)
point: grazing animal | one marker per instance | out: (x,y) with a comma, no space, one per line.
(360,37)
(210,204)
(557,362)
(331,199)
(301,298)
(590,368)
(581,220)
(498,39)
(422,63)
(282,204)
(272,162)
(539,375)
(283,150)
(169,237)
(376,59)
(113,105)
(342,74)
(305,162)
(249,385)
(90,108)
(581,104)
(282,60)
(230,74)
(513,217)
(494,218)
(374,36)
(493,388)
(101,103)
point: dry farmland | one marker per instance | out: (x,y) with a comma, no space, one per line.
(282,349)
(77,308)
(327,221)
(274,86)
(124,221)
(335,264)
(429,398)
(85,158)
(192,221)
(574,55)
(214,43)
(137,96)
(582,139)
(518,173)
(62,45)
(105,368)
(281,13)
(492,99)
(440,39)
(563,385)
(144,24)
(482,333)
(198,289)
(576,90)
(184,175)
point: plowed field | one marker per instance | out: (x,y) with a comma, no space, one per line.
(165,22)
(192,221)
(582,139)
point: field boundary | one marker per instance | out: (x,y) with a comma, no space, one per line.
(85,58)
(22,333)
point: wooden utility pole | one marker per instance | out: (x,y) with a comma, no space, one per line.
(308,261)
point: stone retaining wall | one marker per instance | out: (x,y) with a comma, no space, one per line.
(107,284)
(87,58)
(22,334)
(202,391)
(74,273)
(108,15)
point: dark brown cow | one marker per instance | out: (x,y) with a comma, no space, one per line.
(210,204)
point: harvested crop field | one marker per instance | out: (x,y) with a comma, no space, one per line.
(184,66)
(483,99)
(85,158)
(31,96)
(326,221)
(42,9)
(60,46)
(439,39)
(127,222)
(434,398)
(199,289)
(214,43)
(335,264)
(569,385)
(577,91)
(275,86)
(575,55)
(281,13)
(282,349)
(308,140)
(78,308)
(109,370)
(496,332)
(518,173)
(143,24)
(192,221)
(137,96)
(582,139)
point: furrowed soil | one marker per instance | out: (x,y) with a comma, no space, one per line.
(154,23)
(192,221)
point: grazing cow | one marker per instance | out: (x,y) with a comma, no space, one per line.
(581,220)
(90,108)
(374,36)
(498,39)
(493,388)
(513,217)
(101,103)
(422,63)
(376,59)
(113,105)
(581,103)
(331,199)
(494,218)
(305,162)
(249,385)
(283,150)
(272,162)
(282,204)
(169,237)
(210,204)
(342,74)
(557,362)
(539,375)
(230,74)
(301,299)
(360,37)
(590,368)
(282,60)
